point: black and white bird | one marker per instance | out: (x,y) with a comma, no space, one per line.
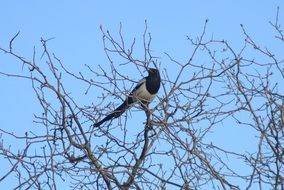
(143,93)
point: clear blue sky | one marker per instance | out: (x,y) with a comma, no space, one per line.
(78,40)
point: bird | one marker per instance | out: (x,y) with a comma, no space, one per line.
(144,93)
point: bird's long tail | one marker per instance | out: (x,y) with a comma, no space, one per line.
(117,112)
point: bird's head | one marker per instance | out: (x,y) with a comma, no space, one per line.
(153,72)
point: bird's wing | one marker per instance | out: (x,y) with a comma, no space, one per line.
(138,85)
(130,99)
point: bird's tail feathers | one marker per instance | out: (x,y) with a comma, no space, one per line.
(116,113)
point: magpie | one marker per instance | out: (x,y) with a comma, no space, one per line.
(143,93)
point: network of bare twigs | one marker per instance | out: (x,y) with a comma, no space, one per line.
(196,99)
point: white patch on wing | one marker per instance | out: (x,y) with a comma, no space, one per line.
(141,94)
